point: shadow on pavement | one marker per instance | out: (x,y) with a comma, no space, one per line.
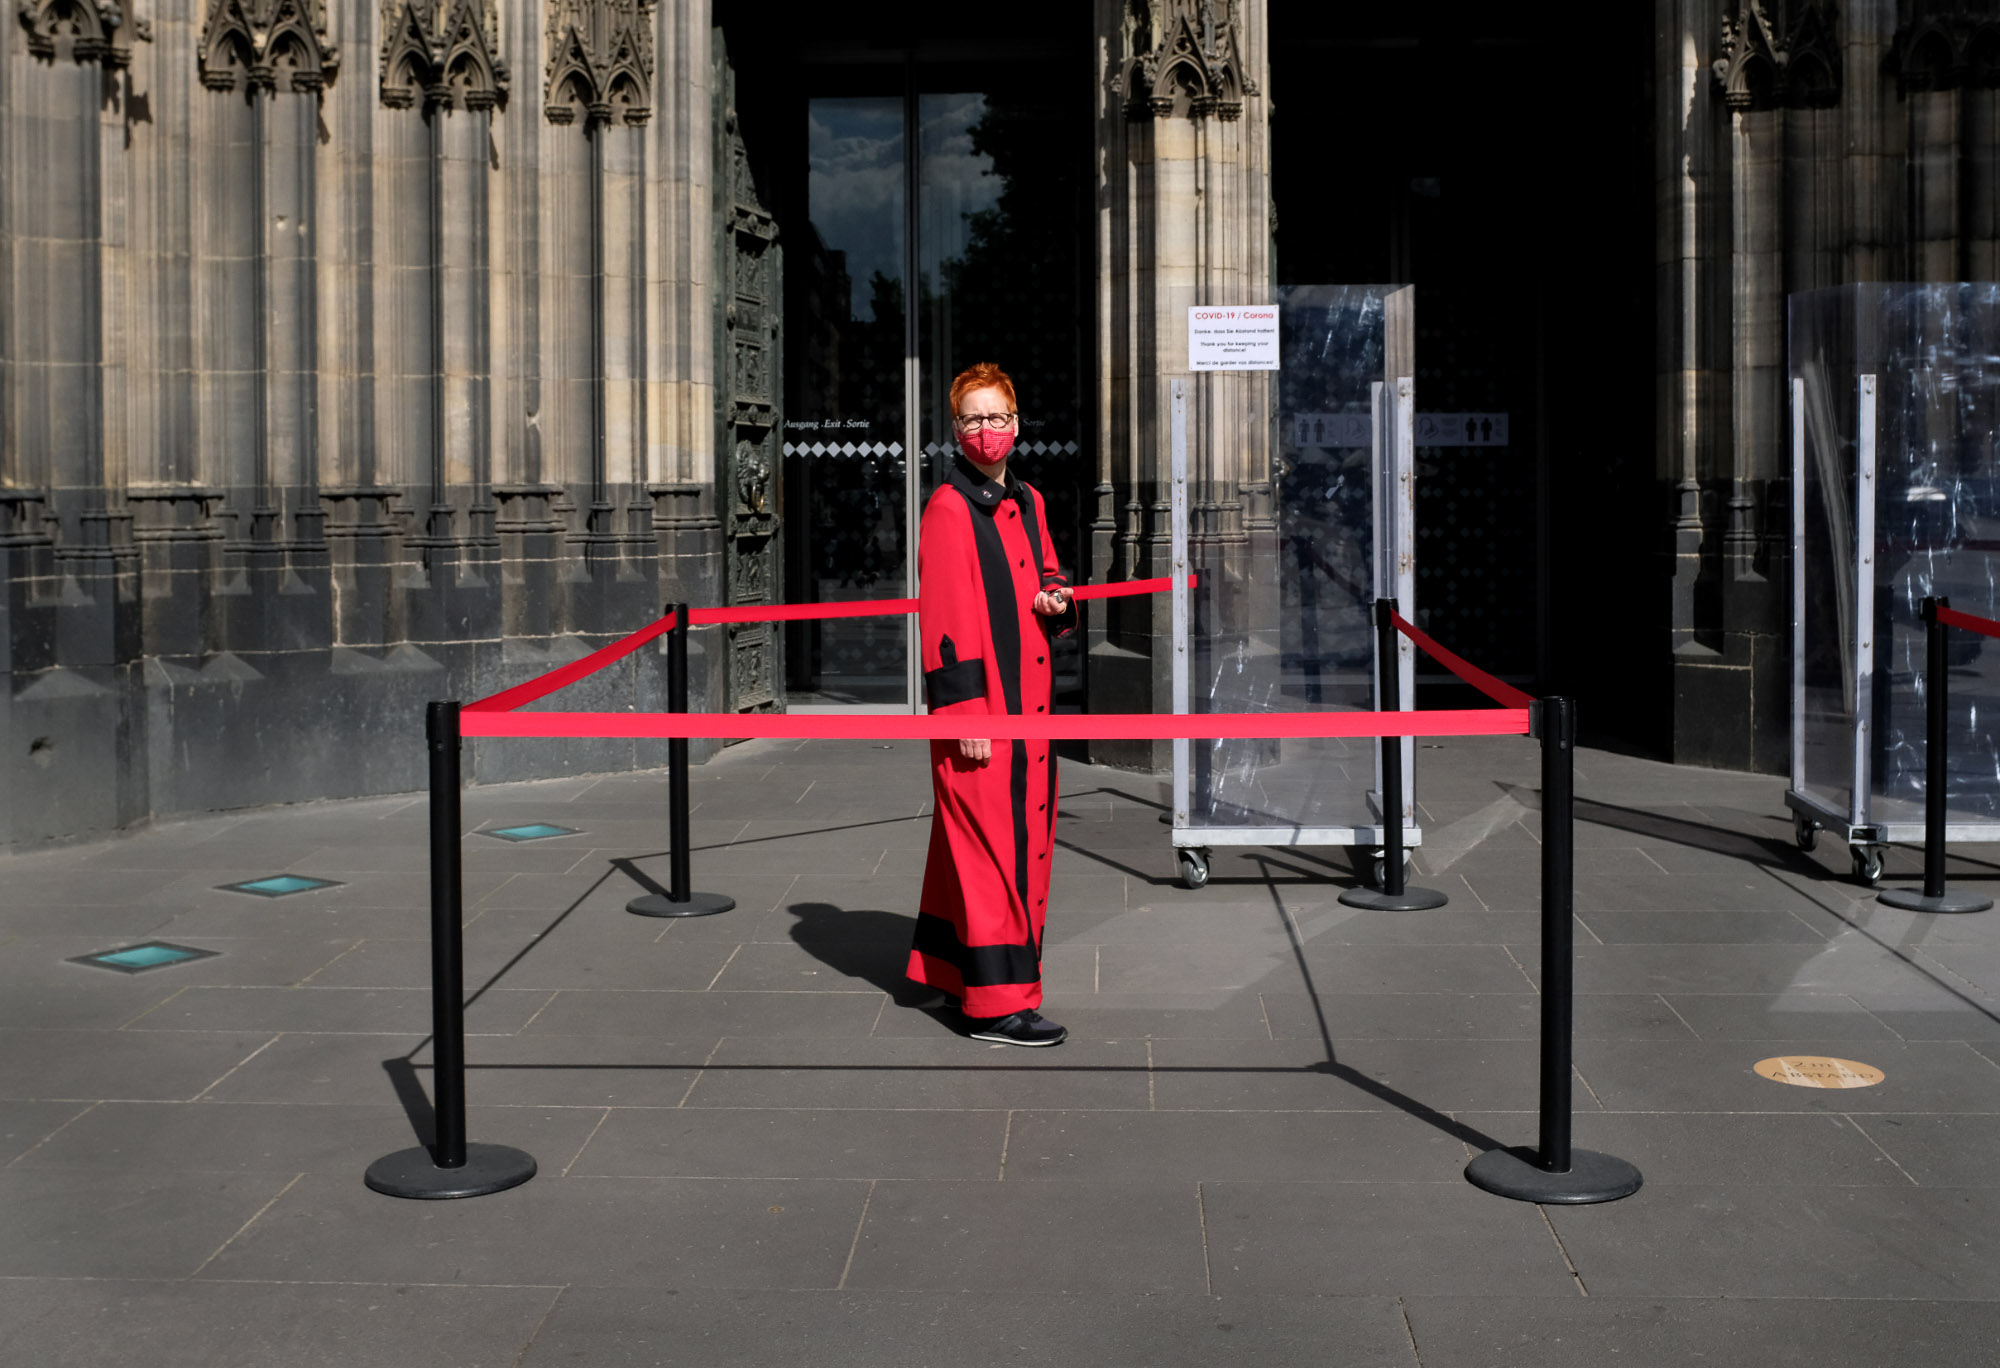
(1402,1102)
(867,945)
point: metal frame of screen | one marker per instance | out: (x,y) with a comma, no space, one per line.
(1901,507)
(1390,525)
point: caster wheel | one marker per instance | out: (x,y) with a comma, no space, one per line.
(1194,867)
(1805,831)
(1378,870)
(1867,864)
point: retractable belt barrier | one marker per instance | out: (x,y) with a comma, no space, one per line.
(1951,617)
(1938,614)
(543,685)
(452,1167)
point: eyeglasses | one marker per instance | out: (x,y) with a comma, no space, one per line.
(972,422)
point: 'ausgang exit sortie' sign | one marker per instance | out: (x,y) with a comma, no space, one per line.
(1226,337)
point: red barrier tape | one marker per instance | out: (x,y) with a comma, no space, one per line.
(802,612)
(998,727)
(1953,618)
(1502,693)
(811,612)
(543,685)
(1087,592)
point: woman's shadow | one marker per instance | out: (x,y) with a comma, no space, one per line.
(867,945)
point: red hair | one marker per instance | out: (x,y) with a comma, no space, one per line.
(984,375)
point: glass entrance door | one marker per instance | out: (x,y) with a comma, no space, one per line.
(941,229)
(847,435)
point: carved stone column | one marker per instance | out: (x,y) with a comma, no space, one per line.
(1945,58)
(1744,141)
(598,79)
(440,59)
(1183,219)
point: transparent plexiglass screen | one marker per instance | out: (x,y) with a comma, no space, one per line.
(1935,353)
(1937,526)
(1282,620)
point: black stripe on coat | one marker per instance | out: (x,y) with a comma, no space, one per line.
(955,681)
(980,966)
(996,578)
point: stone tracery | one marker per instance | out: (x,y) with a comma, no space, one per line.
(1185,60)
(444,53)
(1779,54)
(267,45)
(94,29)
(1945,45)
(600,60)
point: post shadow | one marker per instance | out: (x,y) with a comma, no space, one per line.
(410,1094)
(1346,1073)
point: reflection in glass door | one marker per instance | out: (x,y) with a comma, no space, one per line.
(994,248)
(998,252)
(846,435)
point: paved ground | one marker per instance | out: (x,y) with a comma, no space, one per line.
(752,1154)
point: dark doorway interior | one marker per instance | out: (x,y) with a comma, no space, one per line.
(1500,159)
(930,172)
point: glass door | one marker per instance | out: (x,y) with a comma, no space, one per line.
(847,429)
(1000,268)
(941,229)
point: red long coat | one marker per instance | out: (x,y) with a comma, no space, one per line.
(984,553)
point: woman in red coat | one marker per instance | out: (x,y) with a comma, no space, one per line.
(990,597)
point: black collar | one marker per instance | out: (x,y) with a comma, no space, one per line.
(983,492)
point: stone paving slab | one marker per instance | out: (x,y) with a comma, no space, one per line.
(634,1232)
(1710,1240)
(171,1323)
(631,1328)
(822,1142)
(1377,1239)
(1804,1332)
(1106,1236)
(755,1148)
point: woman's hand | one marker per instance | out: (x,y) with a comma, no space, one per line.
(977,751)
(1052,602)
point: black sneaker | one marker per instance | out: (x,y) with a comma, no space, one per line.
(1022,1028)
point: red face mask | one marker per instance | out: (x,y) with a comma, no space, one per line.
(986,446)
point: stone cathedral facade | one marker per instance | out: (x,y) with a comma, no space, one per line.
(360,352)
(357,354)
(1801,144)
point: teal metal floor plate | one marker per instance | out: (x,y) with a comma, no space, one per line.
(278,885)
(137,959)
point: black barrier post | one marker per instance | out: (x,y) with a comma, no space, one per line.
(448,1167)
(1937,674)
(1393,896)
(680,900)
(1555,1172)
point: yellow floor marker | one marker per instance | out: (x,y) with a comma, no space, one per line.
(1818,1071)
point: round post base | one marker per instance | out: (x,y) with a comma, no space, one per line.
(697,905)
(1913,900)
(1517,1173)
(1409,900)
(414,1173)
